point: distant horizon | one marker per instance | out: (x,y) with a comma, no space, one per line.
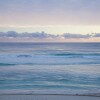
(47,42)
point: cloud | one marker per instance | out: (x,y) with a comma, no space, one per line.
(69,35)
(26,34)
(97,35)
(43,35)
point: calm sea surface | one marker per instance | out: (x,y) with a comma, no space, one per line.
(49,67)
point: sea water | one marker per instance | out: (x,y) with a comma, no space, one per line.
(49,68)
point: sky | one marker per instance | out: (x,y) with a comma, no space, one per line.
(51,16)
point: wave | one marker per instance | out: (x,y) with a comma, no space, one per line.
(48,64)
(58,54)
(49,59)
(67,55)
(77,55)
(24,56)
(6,64)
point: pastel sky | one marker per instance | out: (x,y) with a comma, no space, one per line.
(51,16)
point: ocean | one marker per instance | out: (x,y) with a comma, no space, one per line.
(52,68)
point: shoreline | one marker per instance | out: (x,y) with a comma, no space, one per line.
(46,97)
(88,94)
(52,92)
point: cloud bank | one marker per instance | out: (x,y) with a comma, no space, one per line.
(43,35)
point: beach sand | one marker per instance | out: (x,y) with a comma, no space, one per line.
(47,97)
